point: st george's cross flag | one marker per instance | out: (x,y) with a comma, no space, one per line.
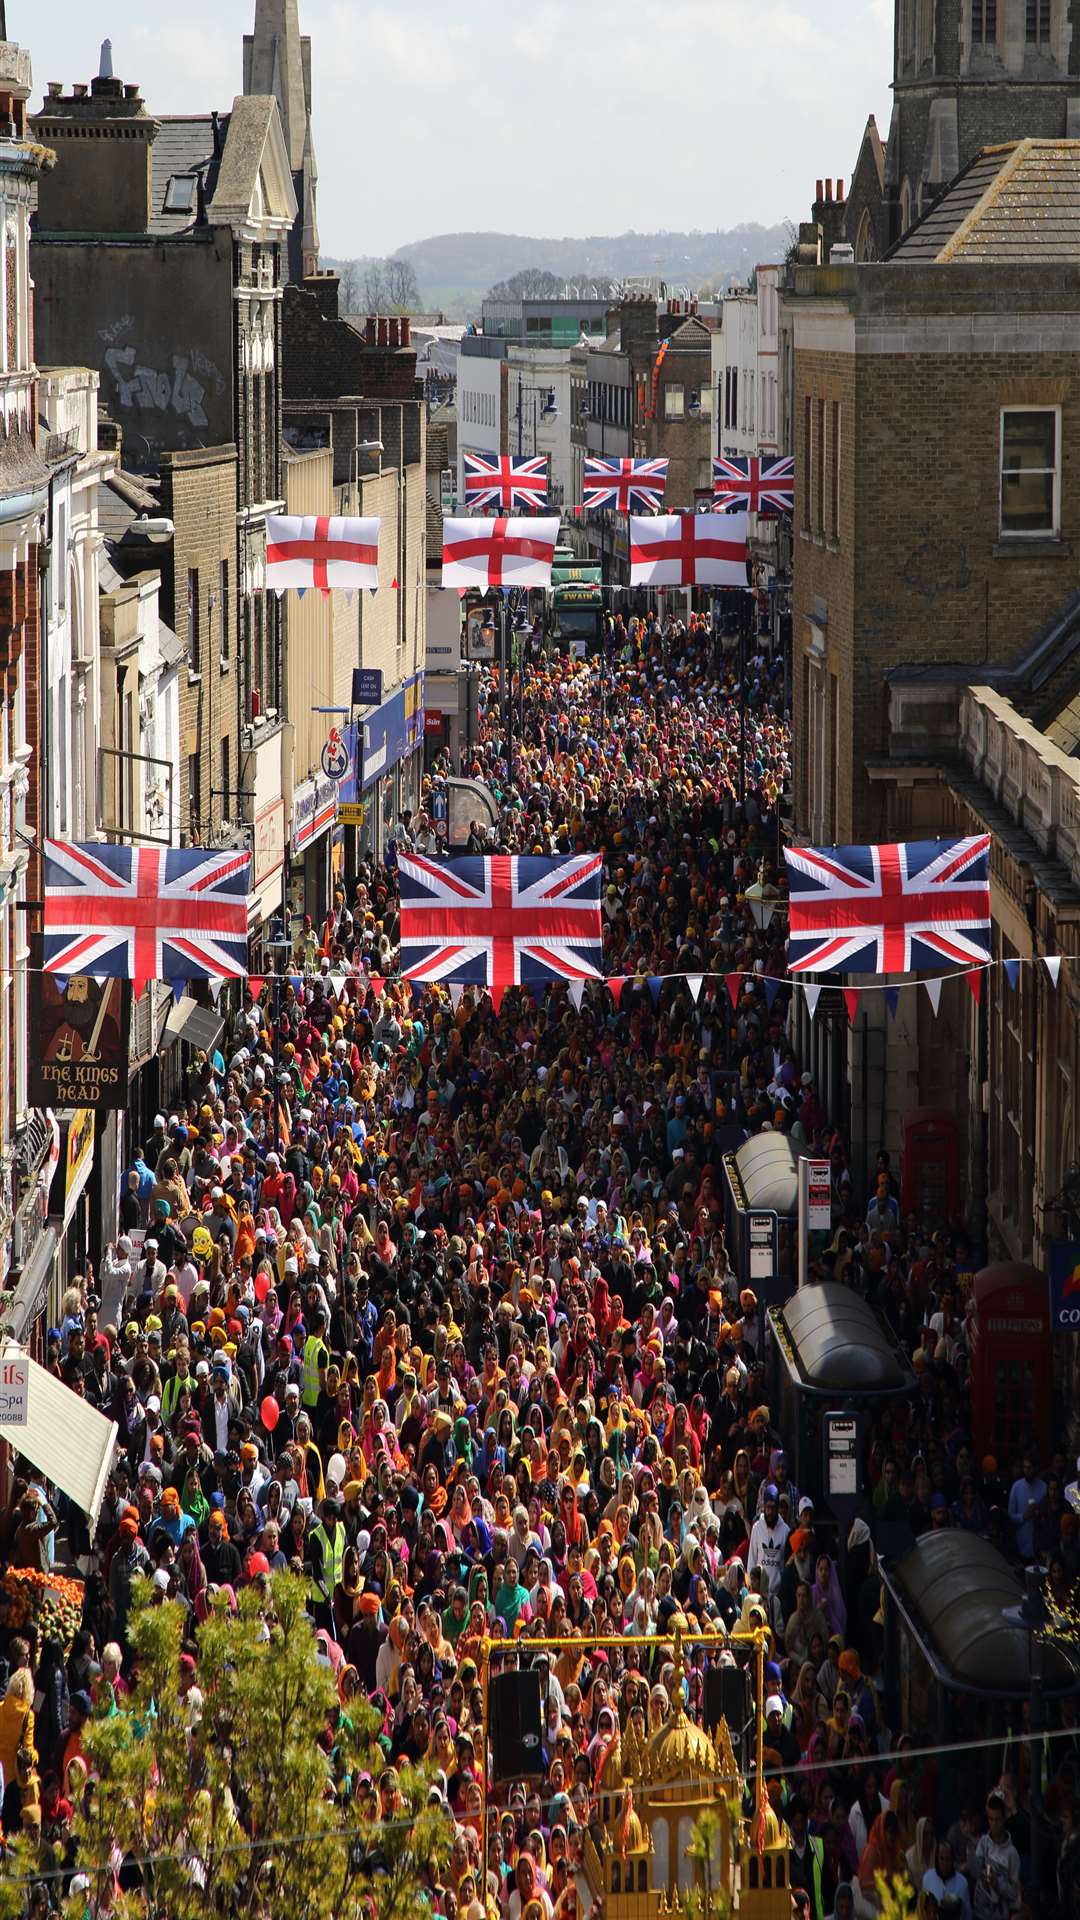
(505,481)
(146,913)
(889,909)
(627,485)
(499,552)
(754,483)
(688,550)
(501,920)
(323,552)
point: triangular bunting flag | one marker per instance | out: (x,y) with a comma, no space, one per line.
(300,592)
(375,590)
(851,1002)
(215,990)
(974,980)
(393,582)
(772,988)
(337,981)
(616,985)
(61,983)
(179,988)
(734,986)
(457,989)
(812,994)
(1012,972)
(376,984)
(416,989)
(892,1000)
(933,988)
(577,994)
(256,983)
(348,596)
(1052,963)
(496,997)
(694,982)
(656,985)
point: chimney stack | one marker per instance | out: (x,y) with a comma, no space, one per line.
(839,189)
(828,192)
(820,195)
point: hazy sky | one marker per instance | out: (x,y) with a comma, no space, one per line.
(552,118)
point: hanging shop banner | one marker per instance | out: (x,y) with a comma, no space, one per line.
(314,809)
(1063,1262)
(80,1056)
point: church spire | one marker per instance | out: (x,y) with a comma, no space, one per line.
(277,61)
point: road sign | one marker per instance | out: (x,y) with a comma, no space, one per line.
(14,1387)
(367,686)
(841,1456)
(351,813)
(334,758)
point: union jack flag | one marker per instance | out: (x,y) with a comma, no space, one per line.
(506,481)
(501,920)
(889,909)
(146,913)
(630,486)
(758,483)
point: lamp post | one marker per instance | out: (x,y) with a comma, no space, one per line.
(549,410)
(275,947)
(1033,1618)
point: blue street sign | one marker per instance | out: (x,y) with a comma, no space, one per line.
(367,686)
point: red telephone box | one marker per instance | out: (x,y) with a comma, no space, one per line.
(1011,1360)
(930,1186)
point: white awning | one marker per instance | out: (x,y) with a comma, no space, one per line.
(65,1438)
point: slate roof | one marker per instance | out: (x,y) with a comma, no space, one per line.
(1012,204)
(185,144)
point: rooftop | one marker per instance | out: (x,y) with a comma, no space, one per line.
(1010,205)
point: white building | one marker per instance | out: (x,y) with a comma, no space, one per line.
(735,375)
(67,419)
(481,376)
(504,405)
(768,361)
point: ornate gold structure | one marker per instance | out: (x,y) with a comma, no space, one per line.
(650,1795)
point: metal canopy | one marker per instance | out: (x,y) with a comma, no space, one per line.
(839,1344)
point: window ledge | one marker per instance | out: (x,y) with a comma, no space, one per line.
(194,679)
(1019,546)
(224,662)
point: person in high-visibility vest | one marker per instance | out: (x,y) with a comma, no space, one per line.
(326,1543)
(316,1360)
(807,1859)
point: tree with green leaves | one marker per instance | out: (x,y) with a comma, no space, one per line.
(243,1790)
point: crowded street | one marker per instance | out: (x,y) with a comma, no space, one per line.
(442,1318)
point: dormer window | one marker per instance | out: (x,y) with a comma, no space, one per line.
(180,193)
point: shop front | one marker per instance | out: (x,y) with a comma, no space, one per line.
(314,810)
(387,763)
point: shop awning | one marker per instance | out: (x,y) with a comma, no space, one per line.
(66,1439)
(199,1026)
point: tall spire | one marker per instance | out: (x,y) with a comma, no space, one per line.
(277,61)
(274,64)
(3,20)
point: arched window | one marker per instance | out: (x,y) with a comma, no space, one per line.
(905,206)
(661,1853)
(687,1869)
(616,1877)
(865,238)
(924,35)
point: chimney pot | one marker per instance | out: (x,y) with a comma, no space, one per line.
(380,337)
(80,90)
(56,89)
(820,194)
(393,329)
(839,189)
(406,331)
(131,90)
(369,330)
(828,190)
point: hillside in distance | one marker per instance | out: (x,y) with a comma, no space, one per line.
(455,270)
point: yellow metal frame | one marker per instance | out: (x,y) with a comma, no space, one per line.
(757,1637)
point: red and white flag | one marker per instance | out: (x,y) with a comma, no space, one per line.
(321,552)
(499,553)
(688,550)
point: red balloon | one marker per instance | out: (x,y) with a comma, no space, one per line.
(269,1413)
(262,1286)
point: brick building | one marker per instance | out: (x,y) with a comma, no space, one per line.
(180,314)
(351,393)
(937,653)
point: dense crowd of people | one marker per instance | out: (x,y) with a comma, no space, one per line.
(432,1304)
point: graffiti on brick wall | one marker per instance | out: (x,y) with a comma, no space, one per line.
(180,388)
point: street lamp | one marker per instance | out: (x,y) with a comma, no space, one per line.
(549,410)
(763,899)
